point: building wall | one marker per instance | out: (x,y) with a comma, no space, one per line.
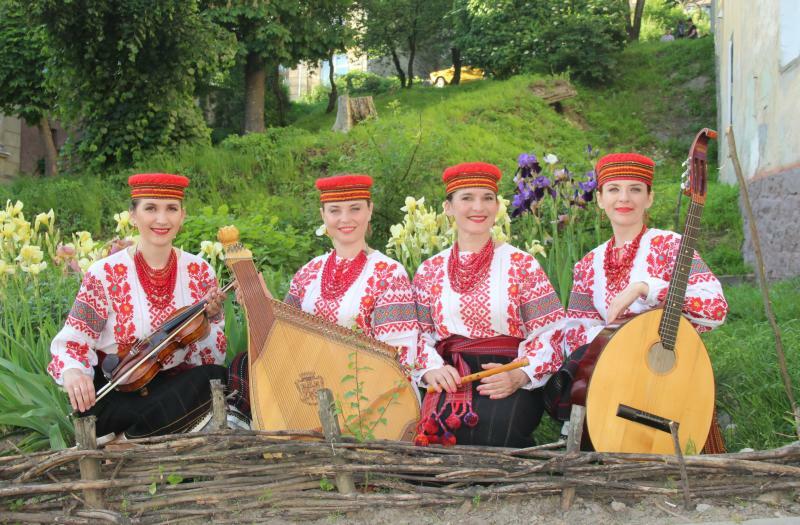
(758,59)
(10,146)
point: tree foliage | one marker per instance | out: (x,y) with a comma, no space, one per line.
(126,72)
(23,88)
(507,37)
(395,27)
(22,64)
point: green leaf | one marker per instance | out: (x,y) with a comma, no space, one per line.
(152,488)
(174,479)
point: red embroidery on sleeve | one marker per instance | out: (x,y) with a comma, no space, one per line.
(119,290)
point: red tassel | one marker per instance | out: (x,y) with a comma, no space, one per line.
(449,439)
(421,440)
(453,422)
(430,426)
(471,419)
(434,439)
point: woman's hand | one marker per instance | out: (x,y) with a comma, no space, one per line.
(446,378)
(80,389)
(626,298)
(502,385)
(214,298)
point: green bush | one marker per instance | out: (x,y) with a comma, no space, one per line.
(358,83)
(276,246)
(507,37)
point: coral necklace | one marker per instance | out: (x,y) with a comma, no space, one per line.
(617,263)
(338,277)
(158,285)
(465,275)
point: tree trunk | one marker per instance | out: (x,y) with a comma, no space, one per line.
(334,93)
(281,102)
(626,11)
(254,86)
(399,68)
(50,152)
(456,54)
(636,26)
(412,50)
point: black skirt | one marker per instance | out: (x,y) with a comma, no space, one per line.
(507,422)
(173,403)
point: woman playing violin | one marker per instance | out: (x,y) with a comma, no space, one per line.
(124,298)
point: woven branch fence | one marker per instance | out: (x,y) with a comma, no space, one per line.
(224,476)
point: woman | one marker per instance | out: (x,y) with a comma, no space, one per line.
(630,273)
(482,304)
(124,298)
(353,285)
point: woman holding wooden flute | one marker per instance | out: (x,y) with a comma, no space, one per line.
(481,305)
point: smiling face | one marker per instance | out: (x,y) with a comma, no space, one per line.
(474,210)
(158,220)
(347,221)
(625,202)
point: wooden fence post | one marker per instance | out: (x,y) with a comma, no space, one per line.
(86,439)
(574,437)
(218,416)
(330,427)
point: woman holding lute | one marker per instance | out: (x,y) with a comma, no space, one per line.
(631,272)
(482,304)
(126,297)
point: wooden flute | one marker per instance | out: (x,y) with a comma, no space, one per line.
(486,373)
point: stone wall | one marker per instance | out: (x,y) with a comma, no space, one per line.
(10,139)
(776,205)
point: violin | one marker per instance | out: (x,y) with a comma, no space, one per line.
(147,357)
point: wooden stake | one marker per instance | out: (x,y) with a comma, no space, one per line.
(330,427)
(687,500)
(218,417)
(576,417)
(762,280)
(90,467)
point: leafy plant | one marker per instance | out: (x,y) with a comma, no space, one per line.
(360,419)
(555,210)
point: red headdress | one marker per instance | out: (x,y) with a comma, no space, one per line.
(471,175)
(625,166)
(157,186)
(345,187)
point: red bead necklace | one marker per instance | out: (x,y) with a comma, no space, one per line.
(158,285)
(465,275)
(337,278)
(618,263)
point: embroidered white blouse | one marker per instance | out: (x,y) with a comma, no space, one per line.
(515,299)
(111,312)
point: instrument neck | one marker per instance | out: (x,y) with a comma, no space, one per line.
(668,329)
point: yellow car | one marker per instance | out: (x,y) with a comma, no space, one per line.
(444,76)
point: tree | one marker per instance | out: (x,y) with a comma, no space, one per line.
(390,27)
(126,72)
(633,20)
(23,88)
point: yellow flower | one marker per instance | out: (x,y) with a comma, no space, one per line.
(46,219)
(123,221)
(8,230)
(84,263)
(34,269)
(30,254)
(535,248)
(6,268)
(212,250)
(412,204)
(3,216)
(83,236)
(15,209)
